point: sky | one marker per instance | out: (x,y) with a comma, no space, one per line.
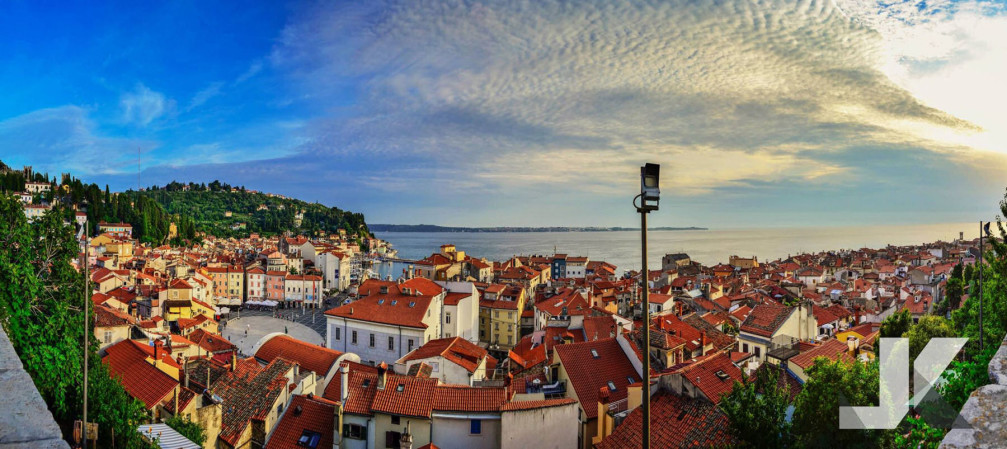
(526,113)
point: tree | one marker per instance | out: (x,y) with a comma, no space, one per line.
(41,310)
(919,435)
(189,429)
(896,324)
(816,413)
(930,326)
(757,410)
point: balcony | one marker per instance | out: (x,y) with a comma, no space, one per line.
(553,390)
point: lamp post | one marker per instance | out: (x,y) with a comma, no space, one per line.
(983,228)
(87,329)
(649,197)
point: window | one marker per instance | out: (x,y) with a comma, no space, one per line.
(400,388)
(594,353)
(354,431)
(744,347)
(611,385)
(279,408)
(391,343)
(372,340)
(435,366)
(510,339)
(337,333)
(367,383)
(447,318)
(108,336)
(758,352)
(353,337)
(309,439)
(510,315)
(396,420)
(410,344)
(476,426)
(392,440)
(630,379)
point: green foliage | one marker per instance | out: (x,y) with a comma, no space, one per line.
(930,326)
(914,433)
(41,310)
(964,377)
(261,213)
(757,411)
(896,324)
(816,414)
(189,429)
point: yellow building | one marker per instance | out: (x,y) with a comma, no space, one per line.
(500,316)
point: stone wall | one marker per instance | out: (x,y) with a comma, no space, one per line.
(985,410)
(25,421)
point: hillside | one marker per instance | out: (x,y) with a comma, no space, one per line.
(225,211)
(151,222)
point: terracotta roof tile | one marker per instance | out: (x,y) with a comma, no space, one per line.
(310,357)
(684,422)
(304,414)
(588,372)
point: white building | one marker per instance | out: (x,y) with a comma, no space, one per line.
(461,311)
(388,321)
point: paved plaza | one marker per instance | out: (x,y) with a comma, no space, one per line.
(308,326)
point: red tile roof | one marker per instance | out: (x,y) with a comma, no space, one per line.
(249,392)
(456,349)
(588,373)
(404,305)
(684,422)
(105,316)
(211,342)
(714,375)
(460,398)
(766,319)
(413,400)
(304,414)
(127,360)
(531,405)
(831,349)
(360,398)
(310,357)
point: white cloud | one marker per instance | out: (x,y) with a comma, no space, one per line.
(724,91)
(65,139)
(201,97)
(142,105)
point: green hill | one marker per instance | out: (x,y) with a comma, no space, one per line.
(225,211)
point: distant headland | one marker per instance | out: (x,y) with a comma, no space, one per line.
(435,228)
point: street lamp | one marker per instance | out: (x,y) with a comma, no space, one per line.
(983,229)
(87,299)
(649,196)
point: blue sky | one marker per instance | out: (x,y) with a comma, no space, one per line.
(511,113)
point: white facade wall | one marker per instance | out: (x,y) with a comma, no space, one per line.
(543,428)
(453,431)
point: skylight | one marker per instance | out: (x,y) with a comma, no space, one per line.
(381,301)
(412,303)
(400,388)
(611,385)
(309,439)
(594,353)
(630,379)
(367,382)
(394,302)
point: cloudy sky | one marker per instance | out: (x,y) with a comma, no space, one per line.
(761,113)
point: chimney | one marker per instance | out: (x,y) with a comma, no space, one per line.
(185,373)
(234,361)
(382,375)
(344,384)
(702,343)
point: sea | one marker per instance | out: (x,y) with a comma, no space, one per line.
(709,247)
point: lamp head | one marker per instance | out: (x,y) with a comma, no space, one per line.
(650,191)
